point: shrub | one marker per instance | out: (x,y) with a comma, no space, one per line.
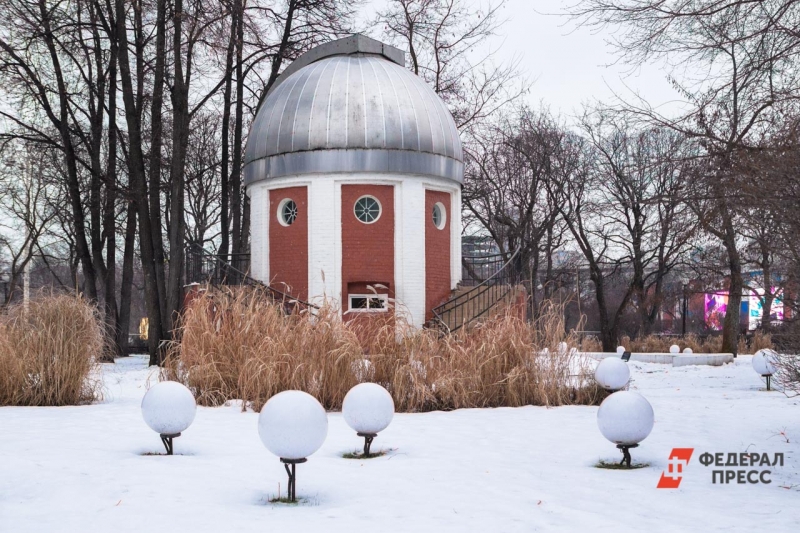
(788,374)
(236,345)
(760,341)
(48,352)
(711,344)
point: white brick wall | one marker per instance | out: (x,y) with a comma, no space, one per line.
(259,231)
(325,228)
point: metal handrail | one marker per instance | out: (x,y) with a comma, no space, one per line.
(223,273)
(500,283)
(474,268)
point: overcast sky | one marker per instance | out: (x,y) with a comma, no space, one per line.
(569,66)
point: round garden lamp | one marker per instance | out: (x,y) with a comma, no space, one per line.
(764,362)
(168,408)
(687,351)
(368,408)
(612,373)
(292,425)
(675,349)
(620,350)
(625,418)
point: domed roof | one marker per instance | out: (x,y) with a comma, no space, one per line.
(351,106)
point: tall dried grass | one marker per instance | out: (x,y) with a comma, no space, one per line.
(48,352)
(711,344)
(236,345)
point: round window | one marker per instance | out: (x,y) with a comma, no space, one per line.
(439,215)
(367,209)
(287,212)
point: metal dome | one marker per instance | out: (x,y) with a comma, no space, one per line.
(351,106)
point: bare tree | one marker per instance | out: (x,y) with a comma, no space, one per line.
(735,65)
(203,186)
(27,216)
(621,192)
(442,38)
(505,187)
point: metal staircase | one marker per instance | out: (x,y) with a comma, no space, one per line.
(203,266)
(489,283)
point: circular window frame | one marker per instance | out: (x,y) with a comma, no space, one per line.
(380,208)
(443,213)
(281,220)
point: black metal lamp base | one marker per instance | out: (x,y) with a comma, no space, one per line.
(769,381)
(167,440)
(292,475)
(367,441)
(626,454)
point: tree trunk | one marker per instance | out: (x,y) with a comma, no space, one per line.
(110,222)
(730,326)
(224,246)
(236,173)
(154,189)
(766,268)
(126,285)
(608,329)
(180,139)
(139,192)
(73,185)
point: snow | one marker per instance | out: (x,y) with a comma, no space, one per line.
(292,424)
(368,408)
(625,417)
(79,469)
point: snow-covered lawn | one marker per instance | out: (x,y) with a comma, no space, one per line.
(81,469)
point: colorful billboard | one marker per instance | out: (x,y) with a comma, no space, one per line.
(756,308)
(716,305)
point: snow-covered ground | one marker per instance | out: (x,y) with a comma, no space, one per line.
(82,469)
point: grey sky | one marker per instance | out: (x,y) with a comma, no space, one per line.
(569,66)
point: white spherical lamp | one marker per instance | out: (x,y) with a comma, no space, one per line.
(292,425)
(765,363)
(620,350)
(625,418)
(674,349)
(687,351)
(612,373)
(168,408)
(368,408)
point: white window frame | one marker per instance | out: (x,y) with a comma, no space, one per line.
(380,208)
(443,212)
(281,205)
(369,296)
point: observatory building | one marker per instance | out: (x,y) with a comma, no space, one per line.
(354,170)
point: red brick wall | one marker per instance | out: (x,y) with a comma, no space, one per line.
(288,245)
(437,253)
(367,249)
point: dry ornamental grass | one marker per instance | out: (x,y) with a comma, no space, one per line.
(711,344)
(236,345)
(48,353)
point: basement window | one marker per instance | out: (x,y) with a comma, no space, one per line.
(364,303)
